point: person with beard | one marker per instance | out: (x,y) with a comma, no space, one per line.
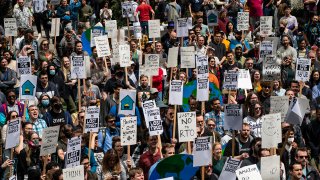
(8,55)
(216,114)
(239,54)
(8,77)
(12,104)
(308,172)
(46,86)
(170,42)
(202,130)
(286,49)
(231,64)
(30,43)
(67,43)
(239,41)
(253,158)
(167,123)
(265,94)
(287,71)
(220,49)
(57,116)
(106,134)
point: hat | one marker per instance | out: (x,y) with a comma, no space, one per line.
(29,31)
(238,45)
(153,90)
(171,24)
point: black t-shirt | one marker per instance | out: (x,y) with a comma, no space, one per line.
(244,147)
(196,5)
(58,118)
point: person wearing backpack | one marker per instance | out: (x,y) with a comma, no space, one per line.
(106,134)
(173,11)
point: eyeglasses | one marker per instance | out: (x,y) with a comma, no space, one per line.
(12,96)
(111,121)
(267,87)
(14,116)
(257,108)
(45,44)
(303,157)
(211,125)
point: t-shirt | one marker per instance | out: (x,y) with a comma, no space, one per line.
(58,119)
(144,10)
(196,5)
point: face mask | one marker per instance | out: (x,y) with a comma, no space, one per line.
(52,72)
(290,140)
(45,102)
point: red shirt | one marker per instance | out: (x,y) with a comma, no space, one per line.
(145,10)
(157,80)
(147,160)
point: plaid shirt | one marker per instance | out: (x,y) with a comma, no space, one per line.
(219,119)
(39,125)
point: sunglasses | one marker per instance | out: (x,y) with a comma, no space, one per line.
(303,157)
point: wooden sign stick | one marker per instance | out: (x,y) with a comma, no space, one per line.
(79,96)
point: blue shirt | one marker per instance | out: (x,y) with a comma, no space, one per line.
(105,141)
(235,42)
(219,121)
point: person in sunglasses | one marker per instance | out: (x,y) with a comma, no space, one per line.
(12,104)
(265,94)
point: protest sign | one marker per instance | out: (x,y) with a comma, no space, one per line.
(265,25)
(202,89)
(127,10)
(55,2)
(297,110)
(154,28)
(78,70)
(10,27)
(92,119)
(249,173)
(115,53)
(202,66)
(229,169)
(72,158)
(24,65)
(230,80)
(102,46)
(303,69)
(154,122)
(127,102)
(244,79)
(187,127)
(151,64)
(270,167)
(74,173)
(13,133)
(49,140)
(187,57)
(128,131)
(271,130)
(13,177)
(124,55)
(243,21)
(175,92)
(147,105)
(28,87)
(111,28)
(95,32)
(137,30)
(271,69)
(202,149)
(233,117)
(212,17)
(182,27)
(266,48)
(55,27)
(189,23)
(279,104)
(173,57)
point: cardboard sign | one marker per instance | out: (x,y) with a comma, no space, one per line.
(137,30)
(49,140)
(244,79)
(297,110)
(249,173)
(115,53)
(212,17)
(24,65)
(95,33)
(111,27)
(271,130)
(189,22)
(28,87)
(279,104)
(154,122)
(175,92)
(55,27)
(127,102)
(233,117)
(230,80)
(124,55)
(303,69)
(265,25)
(92,119)
(202,149)
(147,105)
(187,57)
(229,169)
(13,133)
(10,27)
(102,45)
(127,10)
(182,27)
(270,167)
(271,69)
(151,64)
(72,158)
(75,173)
(243,21)
(78,68)
(266,48)
(154,28)
(202,89)
(128,130)
(187,126)
(202,66)
(173,57)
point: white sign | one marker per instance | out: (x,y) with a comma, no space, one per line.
(13,177)
(55,27)
(202,66)
(124,55)
(92,119)
(78,68)
(147,105)
(102,45)
(271,130)
(297,110)
(229,169)
(28,87)
(244,79)
(127,102)
(115,53)
(266,48)
(13,133)
(175,92)
(243,21)
(127,9)
(111,27)
(55,2)
(95,33)
(182,27)
(154,28)
(303,69)
(249,173)
(187,57)
(74,173)
(187,126)
(154,122)
(202,89)
(49,140)
(10,27)
(266,25)
(271,69)
(233,117)
(137,30)
(151,64)
(24,65)
(279,104)
(270,167)
(72,158)
(173,57)
(202,149)
(230,80)
(128,130)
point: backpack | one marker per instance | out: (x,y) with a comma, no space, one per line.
(173,12)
